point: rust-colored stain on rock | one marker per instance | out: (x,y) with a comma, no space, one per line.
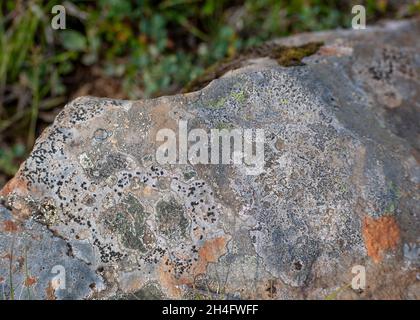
(211,251)
(50,292)
(16,184)
(334,50)
(168,281)
(10,226)
(380,234)
(30,281)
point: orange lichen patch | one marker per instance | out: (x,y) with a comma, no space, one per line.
(50,292)
(30,281)
(10,226)
(210,252)
(380,234)
(168,281)
(334,50)
(21,209)
(16,184)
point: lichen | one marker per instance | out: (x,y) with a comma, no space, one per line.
(171,220)
(128,220)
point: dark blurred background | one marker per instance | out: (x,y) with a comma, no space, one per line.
(135,49)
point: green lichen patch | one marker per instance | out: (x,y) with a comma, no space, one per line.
(150,291)
(189,175)
(47,212)
(171,219)
(128,220)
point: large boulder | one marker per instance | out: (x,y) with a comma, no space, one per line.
(339,186)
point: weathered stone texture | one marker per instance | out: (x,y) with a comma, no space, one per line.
(340,185)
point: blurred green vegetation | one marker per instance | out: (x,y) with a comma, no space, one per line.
(135,49)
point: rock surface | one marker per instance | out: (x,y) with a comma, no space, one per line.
(340,186)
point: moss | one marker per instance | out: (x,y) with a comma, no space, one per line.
(292,56)
(285,56)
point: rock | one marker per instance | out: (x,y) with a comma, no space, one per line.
(339,186)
